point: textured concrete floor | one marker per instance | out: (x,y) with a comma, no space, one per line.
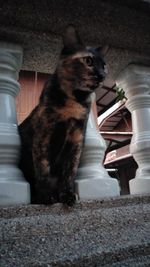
(106,232)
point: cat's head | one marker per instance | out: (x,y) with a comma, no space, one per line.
(80,68)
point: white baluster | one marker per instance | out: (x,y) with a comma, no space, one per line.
(92,179)
(135,80)
(13,187)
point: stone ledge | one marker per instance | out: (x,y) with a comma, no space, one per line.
(9,212)
(105,232)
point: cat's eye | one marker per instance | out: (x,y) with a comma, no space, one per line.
(89,61)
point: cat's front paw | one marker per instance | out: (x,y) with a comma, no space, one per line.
(67,198)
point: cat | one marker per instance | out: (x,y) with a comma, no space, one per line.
(52,136)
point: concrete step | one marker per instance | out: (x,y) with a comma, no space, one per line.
(106,232)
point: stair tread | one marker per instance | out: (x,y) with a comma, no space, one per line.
(92,233)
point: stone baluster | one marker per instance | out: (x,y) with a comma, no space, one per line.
(135,80)
(13,187)
(92,179)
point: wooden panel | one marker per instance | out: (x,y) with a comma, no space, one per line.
(40,81)
(118,154)
(28,97)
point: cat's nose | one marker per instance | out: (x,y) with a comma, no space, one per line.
(105,69)
(101,76)
(103,73)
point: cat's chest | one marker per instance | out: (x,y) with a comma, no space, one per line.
(72,109)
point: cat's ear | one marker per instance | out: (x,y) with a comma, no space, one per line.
(103,50)
(71,39)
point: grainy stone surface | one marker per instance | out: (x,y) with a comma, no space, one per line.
(107,232)
(124,25)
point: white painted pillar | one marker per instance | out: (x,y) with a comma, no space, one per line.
(92,179)
(13,187)
(135,80)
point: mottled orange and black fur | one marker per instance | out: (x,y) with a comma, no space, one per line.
(52,135)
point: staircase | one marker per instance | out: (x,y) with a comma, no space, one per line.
(106,232)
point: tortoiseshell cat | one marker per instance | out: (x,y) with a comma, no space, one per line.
(52,135)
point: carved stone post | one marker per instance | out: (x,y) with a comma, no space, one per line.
(135,80)
(13,187)
(92,180)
